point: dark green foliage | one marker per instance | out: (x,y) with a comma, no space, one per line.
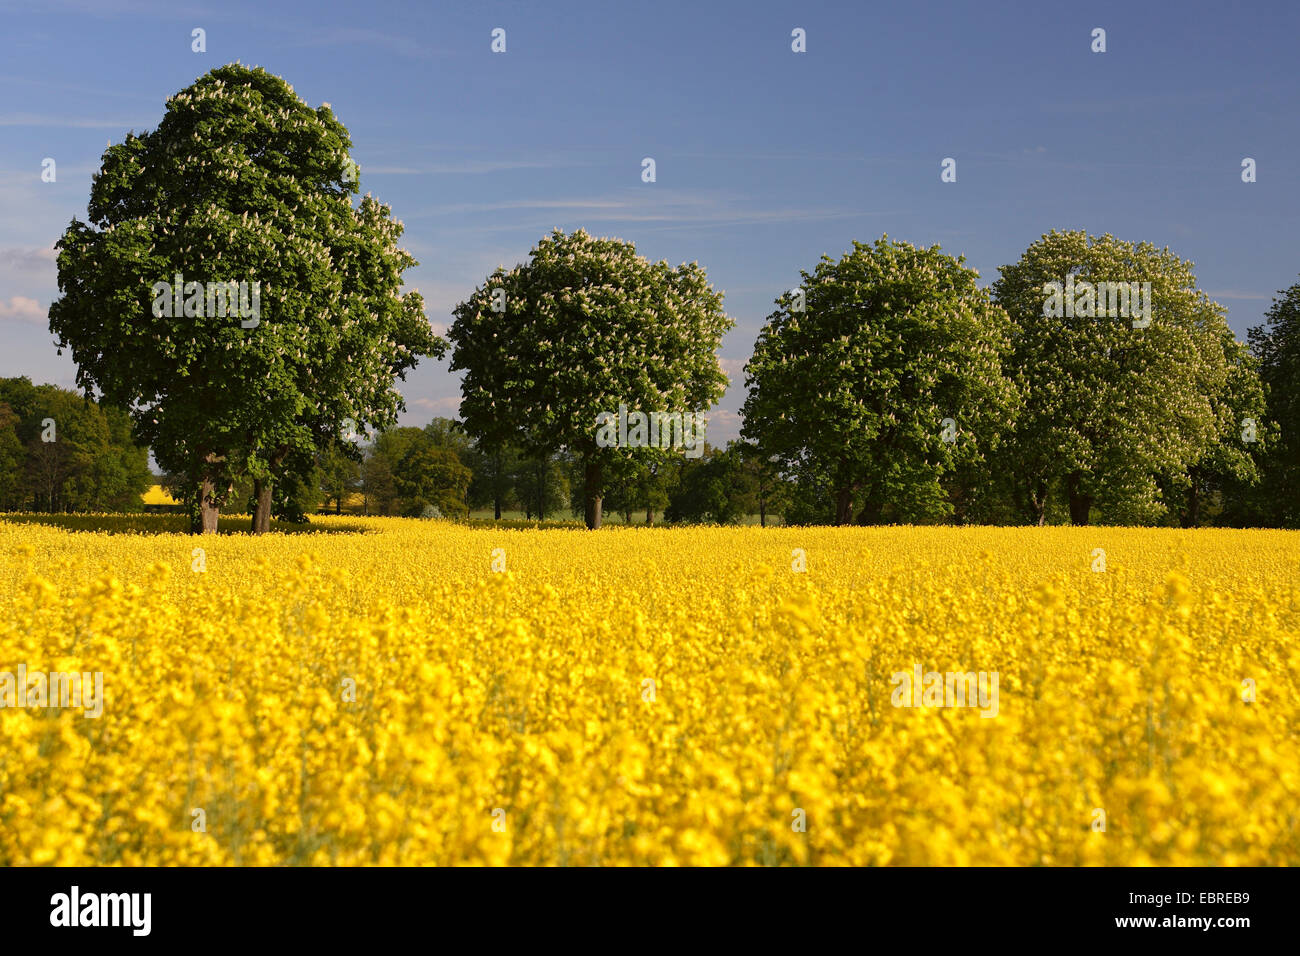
(850,388)
(240,182)
(584,326)
(1276,343)
(411,471)
(92,462)
(714,489)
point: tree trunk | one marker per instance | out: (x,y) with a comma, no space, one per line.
(541,492)
(1037,497)
(209,510)
(871,511)
(762,510)
(1080,507)
(262,511)
(844,506)
(649,516)
(591,495)
(1193,515)
(496,486)
(1080,504)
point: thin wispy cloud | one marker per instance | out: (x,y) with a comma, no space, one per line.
(1151,102)
(457,209)
(765,217)
(74,122)
(77,88)
(473,167)
(734,367)
(1234,294)
(115,9)
(26,258)
(666,221)
(723,424)
(667,210)
(446,405)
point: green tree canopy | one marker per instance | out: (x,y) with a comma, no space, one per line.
(715,489)
(431,476)
(409,470)
(340,472)
(240,182)
(1228,467)
(1110,407)
(62,452)
(584,326)
(854,374)
(495,473)
(541,486)
(1277,345)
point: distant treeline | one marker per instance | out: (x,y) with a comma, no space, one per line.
(438,471)
(887,388)
(1092,382)
(60,452)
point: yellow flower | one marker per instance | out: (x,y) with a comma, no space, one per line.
(375,695)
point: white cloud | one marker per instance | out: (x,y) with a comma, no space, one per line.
(735,369)
(447,404)
(459,208)
(22,260)
(655,209)
(724,426)
(19,308)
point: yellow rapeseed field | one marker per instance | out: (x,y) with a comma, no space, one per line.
(407,692)
(158,495)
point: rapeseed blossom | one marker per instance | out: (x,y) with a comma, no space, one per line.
(378,694)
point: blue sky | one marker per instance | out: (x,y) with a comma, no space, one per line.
(766,159)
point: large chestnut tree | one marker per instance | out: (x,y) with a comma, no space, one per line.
(241,181)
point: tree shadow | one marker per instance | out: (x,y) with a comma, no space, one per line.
(147,524)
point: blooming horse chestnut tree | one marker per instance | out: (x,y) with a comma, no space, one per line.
(584,326)
(879,376)
(1115,403)
(227,292)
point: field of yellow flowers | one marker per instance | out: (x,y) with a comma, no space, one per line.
(406,692)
